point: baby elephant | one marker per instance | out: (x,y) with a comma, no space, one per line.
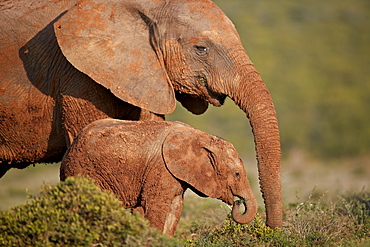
(149,165)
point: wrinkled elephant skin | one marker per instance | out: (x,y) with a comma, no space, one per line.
(65,64)
(150,164)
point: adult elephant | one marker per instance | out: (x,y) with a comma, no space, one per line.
(64,64)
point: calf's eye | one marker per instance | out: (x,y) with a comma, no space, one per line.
(201,50)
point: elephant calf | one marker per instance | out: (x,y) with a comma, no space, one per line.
(150,164)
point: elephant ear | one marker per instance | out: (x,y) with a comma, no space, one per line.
(188,160)
(113,44)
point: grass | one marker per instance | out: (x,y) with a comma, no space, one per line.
(325,204)
(344,222)
(307,222)
(15,184)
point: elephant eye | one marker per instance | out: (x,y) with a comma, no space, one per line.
(201,50)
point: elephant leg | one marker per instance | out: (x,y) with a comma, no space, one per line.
(173,217)
(164,215)
(91,102)
(77,113)
(139,210)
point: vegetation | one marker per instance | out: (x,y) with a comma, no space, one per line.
(314,57)
(78,213)
(309,223)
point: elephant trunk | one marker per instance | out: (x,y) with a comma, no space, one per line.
(250,210)
(250,93)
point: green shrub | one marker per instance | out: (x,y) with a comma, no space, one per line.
(76,213)
(231,233)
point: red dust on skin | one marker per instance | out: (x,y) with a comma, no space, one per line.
(77,79)
(150,164)
(194,40)
(134,68)
(85,23)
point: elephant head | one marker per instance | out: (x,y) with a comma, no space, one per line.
(149,53)
(219,171)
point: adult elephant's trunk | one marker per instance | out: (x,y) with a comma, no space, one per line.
(251,95)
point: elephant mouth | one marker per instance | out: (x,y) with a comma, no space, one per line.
(214,98)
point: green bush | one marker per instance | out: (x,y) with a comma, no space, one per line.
(76,213)
(231,233)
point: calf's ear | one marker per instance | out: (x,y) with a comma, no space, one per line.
(188,160)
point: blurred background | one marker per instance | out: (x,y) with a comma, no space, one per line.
(314,57)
